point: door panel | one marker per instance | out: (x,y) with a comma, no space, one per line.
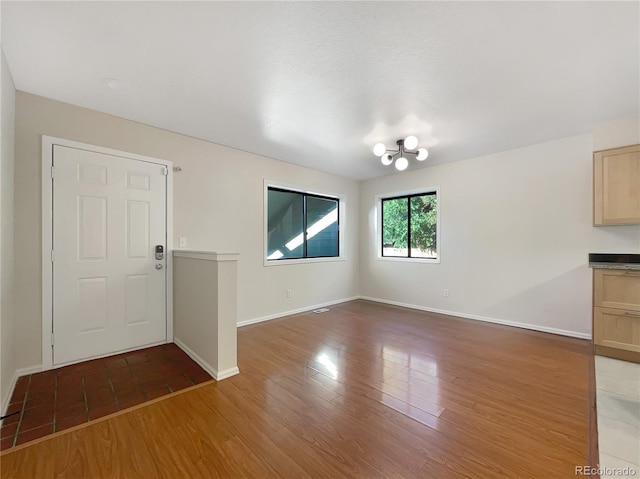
(137,232)
(92,299)
(137,292)
(109,212)
(616,328)
(92,228)
(616,289)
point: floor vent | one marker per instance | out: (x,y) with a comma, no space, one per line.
(321,310)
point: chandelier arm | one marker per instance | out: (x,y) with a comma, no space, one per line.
(401,151)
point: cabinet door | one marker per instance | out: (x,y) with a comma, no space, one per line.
(616,187)
(616,328)
(616,289)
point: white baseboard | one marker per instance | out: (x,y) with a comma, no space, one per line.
(227,373)
(17,374)
(218,376)
(247,322)
(504,322)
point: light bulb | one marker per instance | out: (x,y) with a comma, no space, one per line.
(402,163)
(422,154)
(387,159)
(379,149)
(410,142)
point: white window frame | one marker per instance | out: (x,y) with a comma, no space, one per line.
(342,202)
(378,229)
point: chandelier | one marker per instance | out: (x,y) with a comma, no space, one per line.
(408,145)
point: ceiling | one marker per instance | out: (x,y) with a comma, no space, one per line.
(319,83)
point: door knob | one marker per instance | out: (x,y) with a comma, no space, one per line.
(158,266)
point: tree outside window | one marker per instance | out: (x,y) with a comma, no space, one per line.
(409,226)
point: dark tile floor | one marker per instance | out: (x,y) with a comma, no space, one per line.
(57,399)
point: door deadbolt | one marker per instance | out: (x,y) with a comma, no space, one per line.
(159,252)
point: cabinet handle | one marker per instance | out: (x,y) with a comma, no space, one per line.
(632,313)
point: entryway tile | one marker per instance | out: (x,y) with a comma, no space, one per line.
(58,399)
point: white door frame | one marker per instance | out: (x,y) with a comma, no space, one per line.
(47,236)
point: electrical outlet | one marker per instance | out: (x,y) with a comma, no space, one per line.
(288,293)
(183,242)
(446,293)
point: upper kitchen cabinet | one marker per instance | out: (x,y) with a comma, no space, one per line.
(616,186)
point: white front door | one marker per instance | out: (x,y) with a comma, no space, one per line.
(109,290)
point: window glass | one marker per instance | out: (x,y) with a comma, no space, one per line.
(301,225)
(395,222)
(410,226)
(322,227)
(285,225)
(424,219)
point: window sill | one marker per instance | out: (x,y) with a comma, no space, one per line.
(282,262)
(409,260)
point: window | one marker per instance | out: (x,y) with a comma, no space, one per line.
(301,225)
(410,226)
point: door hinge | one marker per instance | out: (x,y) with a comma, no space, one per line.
(165,171)
(53,172)
(53,255)
(51,339)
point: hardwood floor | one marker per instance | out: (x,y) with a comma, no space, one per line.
(365,390)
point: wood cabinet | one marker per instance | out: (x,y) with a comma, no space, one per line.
(616,186)
(616,313)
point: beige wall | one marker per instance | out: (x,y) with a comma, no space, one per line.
(218,206)
(205,310)
(516,230)
(195,304)
(7,317)
(618,132)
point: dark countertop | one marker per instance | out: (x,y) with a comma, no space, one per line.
(614,261)
(615,266)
